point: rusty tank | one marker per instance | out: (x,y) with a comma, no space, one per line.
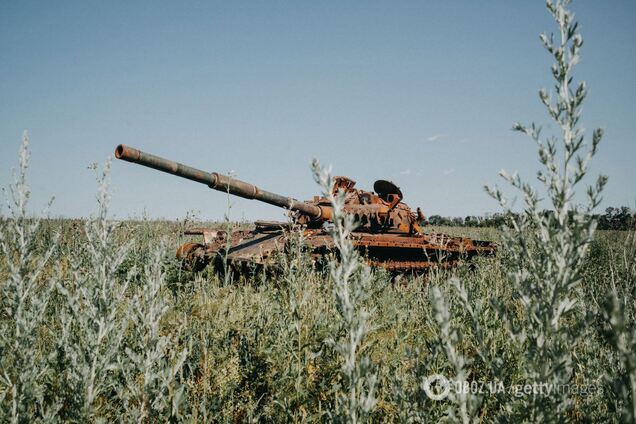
(389,234)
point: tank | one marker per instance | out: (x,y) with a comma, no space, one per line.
(389,234)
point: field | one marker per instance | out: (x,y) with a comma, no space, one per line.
(117,330)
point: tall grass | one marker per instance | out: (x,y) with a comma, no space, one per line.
(352,280)
(26,290)
(618,311)
(547,250)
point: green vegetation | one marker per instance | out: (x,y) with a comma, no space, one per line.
(98,322)
(261,349)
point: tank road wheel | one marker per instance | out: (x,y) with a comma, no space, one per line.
(192,257)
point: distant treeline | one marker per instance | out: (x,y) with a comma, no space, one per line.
(620,218)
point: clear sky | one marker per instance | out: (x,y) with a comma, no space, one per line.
(423,93)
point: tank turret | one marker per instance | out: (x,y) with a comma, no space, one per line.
(381,211)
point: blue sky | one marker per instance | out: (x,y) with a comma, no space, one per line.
(423,93)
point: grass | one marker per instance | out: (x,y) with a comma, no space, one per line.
(258,350)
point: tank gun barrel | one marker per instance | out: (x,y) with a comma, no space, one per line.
(218,182)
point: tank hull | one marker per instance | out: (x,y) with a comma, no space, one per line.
(397,253)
